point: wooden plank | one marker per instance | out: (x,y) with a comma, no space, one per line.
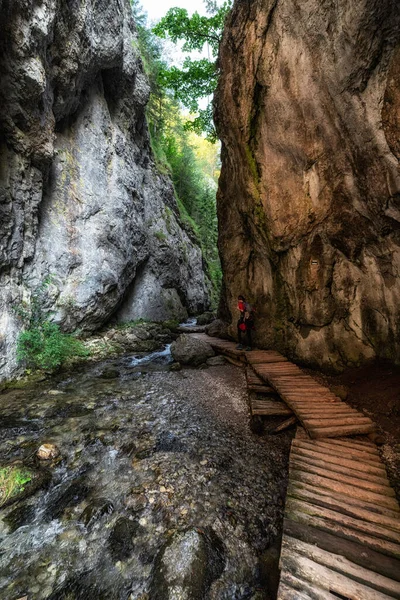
(336,421)
(336,502)
(357,465)
(294,505)
(358,445)
(304,399)
(271,408)
(285,425)
(345,489)
(330,580)
(292,588)
(322,432)
(353,501)
(379,488)
(353,551)
(315,414)
(342,565)
(325,448)
(328,407)
(260,389)
(360,471)
(233,361)
(329,526)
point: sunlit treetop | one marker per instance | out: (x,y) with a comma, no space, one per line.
(197,79)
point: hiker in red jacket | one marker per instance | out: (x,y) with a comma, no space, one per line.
(245,323)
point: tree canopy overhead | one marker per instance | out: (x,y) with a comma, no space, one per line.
(196,79)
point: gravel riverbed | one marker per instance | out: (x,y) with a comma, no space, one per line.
(145,453)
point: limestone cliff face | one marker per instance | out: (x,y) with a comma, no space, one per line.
(80,197)
(308,109)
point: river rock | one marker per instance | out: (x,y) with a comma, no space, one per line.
(81,195)
(95,510)
(191,351)
(48,451)
(121,540)
(176,366)
(307,108)
(109,373)
(187,565)
(218,328)
(205,318)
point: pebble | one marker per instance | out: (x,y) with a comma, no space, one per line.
(47,451)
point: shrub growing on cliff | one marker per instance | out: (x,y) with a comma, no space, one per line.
(42,345)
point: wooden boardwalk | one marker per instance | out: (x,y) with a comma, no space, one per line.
(321,413)
(341,534)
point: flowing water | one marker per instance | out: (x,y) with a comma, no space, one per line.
(144,452)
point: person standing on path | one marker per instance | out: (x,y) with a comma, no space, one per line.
(245,323)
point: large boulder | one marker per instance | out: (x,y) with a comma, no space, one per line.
(187,565)
(218,328)
(205,318)
(188,350)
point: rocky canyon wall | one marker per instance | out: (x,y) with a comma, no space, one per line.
(308,111)
(81,201)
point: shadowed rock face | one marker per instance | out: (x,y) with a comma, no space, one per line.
(80,197)
(308,111)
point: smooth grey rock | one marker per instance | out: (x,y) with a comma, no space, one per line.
(205,318)
(81,198)
(190,351)
(186,566)
(218,328)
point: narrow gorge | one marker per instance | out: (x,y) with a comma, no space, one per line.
(199,299)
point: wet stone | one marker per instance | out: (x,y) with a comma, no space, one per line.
(67,410)
(20,516)
(176,366)
(72,496)
(143,454)
(109,373)
(128,449)
(168,442)
(47,451)
(95,510)
(121,540)
(187,565)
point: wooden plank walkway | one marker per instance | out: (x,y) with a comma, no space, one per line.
(320,412)
(341,534)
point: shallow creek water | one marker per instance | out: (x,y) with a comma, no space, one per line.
(145,452)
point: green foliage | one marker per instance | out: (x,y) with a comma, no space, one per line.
(42,345)
(134,323)
(190,159)
(160,235)
(196,79)
(12,481)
